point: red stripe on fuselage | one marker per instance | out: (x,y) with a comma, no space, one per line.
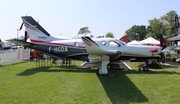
(30,27)
(56,44)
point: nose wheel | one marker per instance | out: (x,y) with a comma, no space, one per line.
(143,67)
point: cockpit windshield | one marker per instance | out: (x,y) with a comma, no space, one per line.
(120,42)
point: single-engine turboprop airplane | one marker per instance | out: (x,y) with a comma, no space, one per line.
(102,50)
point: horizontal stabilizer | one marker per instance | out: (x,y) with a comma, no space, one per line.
(20,42)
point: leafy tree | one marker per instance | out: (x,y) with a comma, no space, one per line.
(155,28)
(169,20)
(137,32)
(84,30)
(100,36)
(92,36)
(165,25)
(109,35)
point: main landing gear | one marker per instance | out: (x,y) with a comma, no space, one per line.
(103,67)
(144,67)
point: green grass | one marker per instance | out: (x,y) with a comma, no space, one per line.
(24,83)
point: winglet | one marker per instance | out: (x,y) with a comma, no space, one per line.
(91,46)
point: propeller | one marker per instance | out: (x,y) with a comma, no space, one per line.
(161,38)
(162,41)
(176,21)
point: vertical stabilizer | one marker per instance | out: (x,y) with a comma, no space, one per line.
(35,31)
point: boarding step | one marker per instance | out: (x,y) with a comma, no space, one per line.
(111,65)
(88,65)
(118,65)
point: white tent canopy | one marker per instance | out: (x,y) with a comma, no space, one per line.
(149,40)
(134,42)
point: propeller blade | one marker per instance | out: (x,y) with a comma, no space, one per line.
(161,40)
(176,21)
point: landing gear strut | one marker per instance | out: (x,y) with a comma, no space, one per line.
(103,67)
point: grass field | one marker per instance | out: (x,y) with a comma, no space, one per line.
(24,83)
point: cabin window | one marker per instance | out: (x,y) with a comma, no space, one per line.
(76,44)
(114,44)
(103,43)
(83,44)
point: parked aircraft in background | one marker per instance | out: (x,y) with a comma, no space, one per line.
(6,45)
(102,50)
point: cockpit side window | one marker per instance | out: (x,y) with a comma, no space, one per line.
(114,44)
(103,43)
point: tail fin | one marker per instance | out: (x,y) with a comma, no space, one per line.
(125,38)
(35,31)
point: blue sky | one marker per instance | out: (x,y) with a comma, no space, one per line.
(68,16)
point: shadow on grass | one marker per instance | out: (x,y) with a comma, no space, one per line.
(1,65)
(14,63)
(168,66)
(120,89)
(55,69)
(151,72)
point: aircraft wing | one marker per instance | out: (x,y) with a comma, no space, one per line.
(94,49)
(20,42)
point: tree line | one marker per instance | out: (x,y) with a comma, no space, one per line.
(85,30)
(164,25)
